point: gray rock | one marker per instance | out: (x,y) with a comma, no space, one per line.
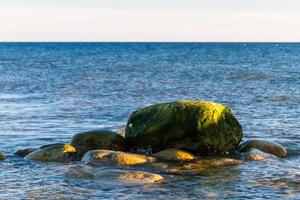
(265,146)
(97,139)
(24,152)
(53,153)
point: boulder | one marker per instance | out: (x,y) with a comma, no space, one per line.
(174,155)
(265,146)
(53,153)
(196,126)
(140,177)
(24,152)
(2,156)
(97,139)
(115,157)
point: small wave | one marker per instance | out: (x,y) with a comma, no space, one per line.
(248,75)
(12,96)
(283,99)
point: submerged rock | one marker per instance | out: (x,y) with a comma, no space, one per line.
(2,156)
(53,153)
(98,139)
(199,126)
(265,146)
(24,152)
(80,175)
(116,157)
(257,155)
(174,155)
(196,166)
(80,172)
(141,177)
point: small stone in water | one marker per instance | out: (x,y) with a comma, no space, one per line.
(2,156)
(116,157)
(80,175)
(141,177)
(257,155)
(174,155)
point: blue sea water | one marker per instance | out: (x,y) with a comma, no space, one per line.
(50,91)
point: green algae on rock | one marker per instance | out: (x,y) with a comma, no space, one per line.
(265,146)
(198,126)
(2,156)
(53,153)
(97,139)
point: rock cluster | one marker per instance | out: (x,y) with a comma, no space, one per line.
(178,136)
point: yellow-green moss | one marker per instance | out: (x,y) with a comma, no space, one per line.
(67,148)
(200,126)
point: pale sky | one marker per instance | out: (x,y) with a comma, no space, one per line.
(150,20)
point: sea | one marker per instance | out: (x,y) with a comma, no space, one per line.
(51,91)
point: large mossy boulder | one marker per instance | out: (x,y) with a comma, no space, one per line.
(97,139)
(197,126)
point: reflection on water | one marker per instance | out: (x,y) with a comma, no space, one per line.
(48,92)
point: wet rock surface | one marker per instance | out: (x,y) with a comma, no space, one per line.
(53,153)
(257,155)
(140,177)
(265,146)
(25,152)
(174,155)
(197,166)
(116,157)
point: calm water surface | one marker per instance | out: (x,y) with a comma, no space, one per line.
(50,91)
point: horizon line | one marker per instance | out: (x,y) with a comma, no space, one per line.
(86,41)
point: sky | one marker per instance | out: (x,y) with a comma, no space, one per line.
(150,20)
